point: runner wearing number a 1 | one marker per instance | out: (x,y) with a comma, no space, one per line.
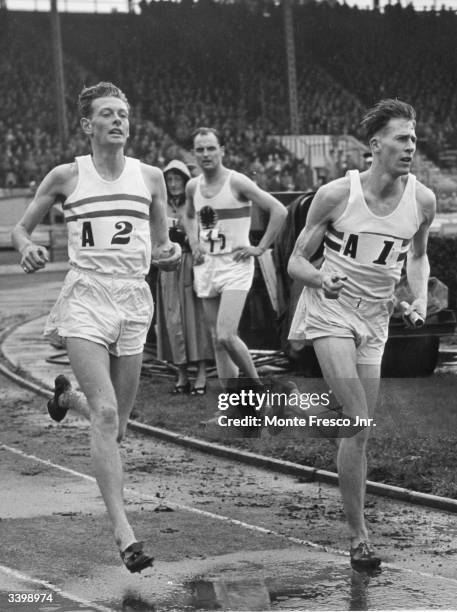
(372,223)
(113,206)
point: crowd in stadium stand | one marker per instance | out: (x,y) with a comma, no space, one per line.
(223,65)
(398,53)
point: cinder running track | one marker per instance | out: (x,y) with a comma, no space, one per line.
(224,535)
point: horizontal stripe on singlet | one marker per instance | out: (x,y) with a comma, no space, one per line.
(107,198)
(340,235)
(335,232)
(404,243)
(332,245)
(108,213)
(337,247)
(233,213)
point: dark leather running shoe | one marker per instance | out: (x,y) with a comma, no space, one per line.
(363,556)
(56,412)
(135,560)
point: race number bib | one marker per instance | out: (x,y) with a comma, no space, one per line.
(105,233)
(215,241)
(372,249)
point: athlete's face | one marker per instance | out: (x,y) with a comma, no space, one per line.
(109,122)
(395,145)
(208,152)
(175,183)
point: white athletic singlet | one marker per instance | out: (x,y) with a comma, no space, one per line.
(368,249)
(224,221)
(108,221)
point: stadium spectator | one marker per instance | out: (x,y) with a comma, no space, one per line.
(182,334)
(245,99)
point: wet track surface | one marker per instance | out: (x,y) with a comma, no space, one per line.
(225,536)
(292,580)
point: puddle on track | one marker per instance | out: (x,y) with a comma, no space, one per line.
(261,580)
(315,583)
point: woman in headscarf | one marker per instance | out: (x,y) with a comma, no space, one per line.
(182,335)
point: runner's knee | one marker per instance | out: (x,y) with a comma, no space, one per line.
(359,439)
(226,338)
(105,417)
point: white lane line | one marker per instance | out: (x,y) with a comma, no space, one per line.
(206,513)
(43,584)
(62,468)
(221,517)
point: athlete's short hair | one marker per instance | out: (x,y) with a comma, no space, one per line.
(101,90)
(378,116)
(204,131)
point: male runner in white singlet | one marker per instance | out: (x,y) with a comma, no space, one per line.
(217,219)
(113,205)
(370,224)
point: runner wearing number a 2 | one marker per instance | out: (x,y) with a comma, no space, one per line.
(113,206)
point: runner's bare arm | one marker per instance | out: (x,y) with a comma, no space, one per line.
(157,214)
(417,264)
(55,185)
(325,207)
(277,213)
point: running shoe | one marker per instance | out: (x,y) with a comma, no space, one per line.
(56,412)
(135,560)
(363,556)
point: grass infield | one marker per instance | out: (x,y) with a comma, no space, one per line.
(413,444)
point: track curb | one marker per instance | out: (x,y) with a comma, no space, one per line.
(309,474)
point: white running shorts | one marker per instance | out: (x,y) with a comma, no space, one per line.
(113,311)
(220,273)
(366,321)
